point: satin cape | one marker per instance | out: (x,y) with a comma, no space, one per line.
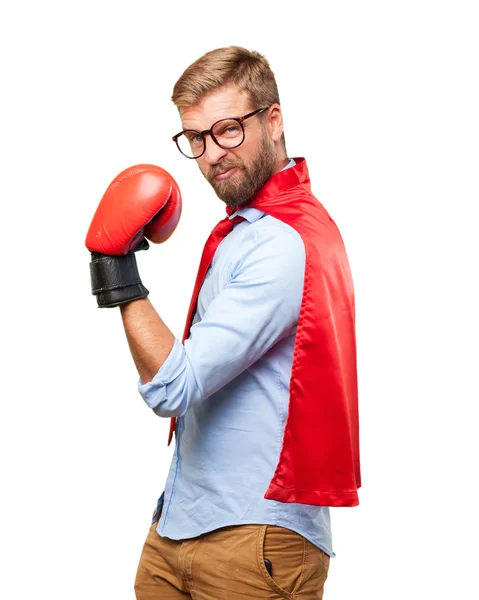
(319,461)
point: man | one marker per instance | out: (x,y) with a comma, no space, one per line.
(263,388)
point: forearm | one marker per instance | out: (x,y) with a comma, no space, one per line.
(149,339)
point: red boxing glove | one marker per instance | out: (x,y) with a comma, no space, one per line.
(142,201)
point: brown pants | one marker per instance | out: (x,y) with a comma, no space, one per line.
(228,564)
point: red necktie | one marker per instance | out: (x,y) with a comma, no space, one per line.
(221,230)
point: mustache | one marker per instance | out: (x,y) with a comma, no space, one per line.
(224,166)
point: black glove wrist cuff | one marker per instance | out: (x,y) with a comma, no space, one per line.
(115,279)
(121,295)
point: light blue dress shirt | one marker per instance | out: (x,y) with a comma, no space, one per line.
(228,385)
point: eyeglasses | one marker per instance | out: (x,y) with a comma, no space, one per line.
(226,133)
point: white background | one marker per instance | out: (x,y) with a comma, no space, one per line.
(382,99)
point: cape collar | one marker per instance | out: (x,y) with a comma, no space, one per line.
(283,180)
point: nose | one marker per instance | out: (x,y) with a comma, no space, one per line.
(213,153)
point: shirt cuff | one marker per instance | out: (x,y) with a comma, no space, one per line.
(154,392)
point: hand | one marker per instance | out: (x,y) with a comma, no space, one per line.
(142,201)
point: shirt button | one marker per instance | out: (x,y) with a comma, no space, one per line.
(175,459)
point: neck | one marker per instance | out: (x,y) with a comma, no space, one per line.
(280,164)
(281,160)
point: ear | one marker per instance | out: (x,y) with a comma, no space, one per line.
(275,122)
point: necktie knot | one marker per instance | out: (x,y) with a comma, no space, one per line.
(224,227)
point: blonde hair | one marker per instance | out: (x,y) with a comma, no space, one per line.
(248,70)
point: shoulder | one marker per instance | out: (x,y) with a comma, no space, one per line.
(273,230)
(271,243)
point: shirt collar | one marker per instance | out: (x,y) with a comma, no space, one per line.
(249,213)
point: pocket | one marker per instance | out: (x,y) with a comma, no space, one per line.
(285,549)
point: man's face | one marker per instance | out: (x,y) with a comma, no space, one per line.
(236,174)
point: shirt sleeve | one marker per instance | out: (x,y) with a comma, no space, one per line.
(258,306)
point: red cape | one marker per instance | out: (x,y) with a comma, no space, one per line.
(319,459)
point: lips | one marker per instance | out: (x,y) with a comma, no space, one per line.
(225,174)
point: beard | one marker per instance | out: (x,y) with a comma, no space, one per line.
(239,188)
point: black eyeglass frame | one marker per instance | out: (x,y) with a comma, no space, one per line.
(205,131)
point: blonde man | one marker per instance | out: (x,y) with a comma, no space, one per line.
(262,389)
